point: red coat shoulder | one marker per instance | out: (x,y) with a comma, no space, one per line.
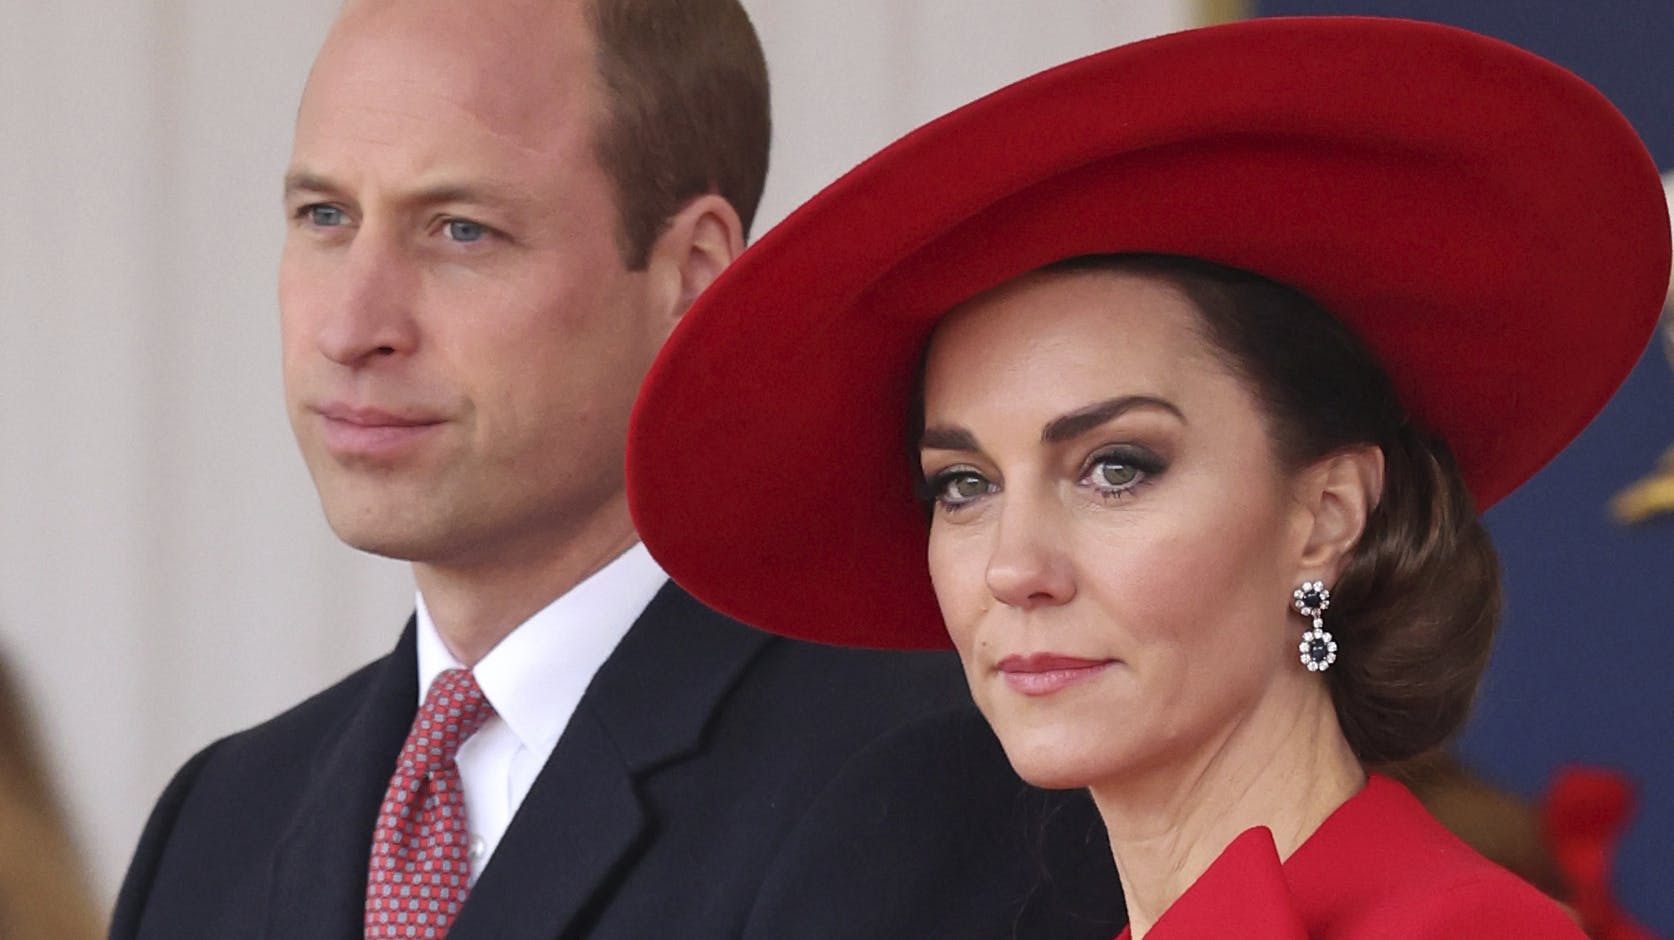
(1379,868)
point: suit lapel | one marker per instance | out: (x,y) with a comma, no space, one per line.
(582,823)
(319,871)
(580,819)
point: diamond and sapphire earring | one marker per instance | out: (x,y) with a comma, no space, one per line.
(1318,650)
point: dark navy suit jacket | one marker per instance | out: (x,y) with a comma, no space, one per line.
(714,782)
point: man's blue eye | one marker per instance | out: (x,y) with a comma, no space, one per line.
(325,216)
(461,230)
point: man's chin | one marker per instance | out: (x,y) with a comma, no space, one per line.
(389,533)
(383,545)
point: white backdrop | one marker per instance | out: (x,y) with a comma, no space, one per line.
(165,574)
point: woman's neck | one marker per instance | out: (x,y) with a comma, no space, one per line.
(1168,824)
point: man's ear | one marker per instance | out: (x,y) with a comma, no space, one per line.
(694,248)
(1339,491)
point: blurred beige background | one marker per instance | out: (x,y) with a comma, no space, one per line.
(165,574)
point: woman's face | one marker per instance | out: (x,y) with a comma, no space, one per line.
(1114,542)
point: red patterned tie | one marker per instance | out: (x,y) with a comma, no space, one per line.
(420,872)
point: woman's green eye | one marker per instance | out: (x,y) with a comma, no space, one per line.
(963,487)
(1116,472)
(1115,475)
(954,489)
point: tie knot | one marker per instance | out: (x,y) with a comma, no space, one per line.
(453,710)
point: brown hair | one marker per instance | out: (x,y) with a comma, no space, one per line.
(687,111)
(43,885)
(1418,600)
(1503,827)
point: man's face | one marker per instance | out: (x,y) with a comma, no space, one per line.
(462,343)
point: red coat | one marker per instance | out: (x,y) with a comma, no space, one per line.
(1379,867)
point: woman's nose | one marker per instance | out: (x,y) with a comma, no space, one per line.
(1028,566)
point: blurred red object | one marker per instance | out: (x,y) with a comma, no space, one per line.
(1584,814)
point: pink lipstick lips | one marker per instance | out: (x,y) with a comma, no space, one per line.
(1047,673)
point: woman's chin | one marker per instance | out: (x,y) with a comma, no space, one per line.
(1052,762)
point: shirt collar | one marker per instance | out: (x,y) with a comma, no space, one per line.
(535,677)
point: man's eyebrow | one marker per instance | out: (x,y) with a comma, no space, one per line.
(460,192)
(306,181)
(946,438)
(303,181)
(1073,424)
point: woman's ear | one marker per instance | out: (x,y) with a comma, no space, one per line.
(694,248)
(1339,491)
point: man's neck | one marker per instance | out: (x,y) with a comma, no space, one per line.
(476,604)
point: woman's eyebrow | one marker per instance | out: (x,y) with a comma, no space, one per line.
(1075,423)
(946,438)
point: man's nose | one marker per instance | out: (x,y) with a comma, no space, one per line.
(368,312)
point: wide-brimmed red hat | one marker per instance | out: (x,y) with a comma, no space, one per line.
(1485,220)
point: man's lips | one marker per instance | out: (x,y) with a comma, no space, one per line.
(367,416)
(1046,673)
(363,432)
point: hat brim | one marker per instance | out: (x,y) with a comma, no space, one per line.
(1486,221)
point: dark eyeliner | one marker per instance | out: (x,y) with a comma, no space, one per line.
(932,489)
(1143,459)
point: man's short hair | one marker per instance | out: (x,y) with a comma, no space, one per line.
(687,111)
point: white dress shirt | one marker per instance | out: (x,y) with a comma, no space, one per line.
(534,678)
